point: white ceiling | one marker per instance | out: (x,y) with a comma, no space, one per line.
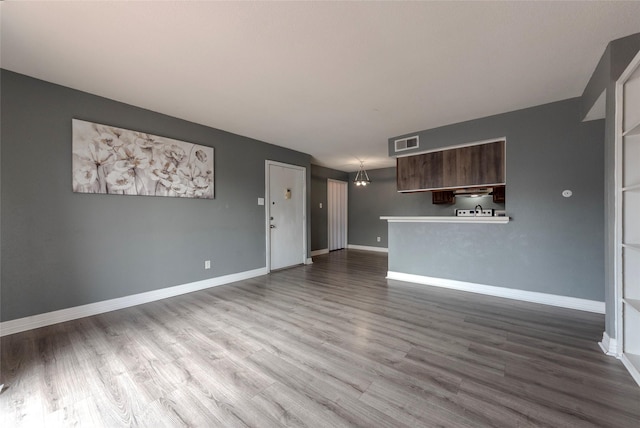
(332,79)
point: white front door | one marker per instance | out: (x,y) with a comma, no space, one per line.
(286,198)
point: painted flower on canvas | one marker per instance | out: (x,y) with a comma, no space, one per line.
(122,162)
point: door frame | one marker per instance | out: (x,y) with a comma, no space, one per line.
(346,225)
(267,220)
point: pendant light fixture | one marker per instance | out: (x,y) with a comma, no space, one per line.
(362,178)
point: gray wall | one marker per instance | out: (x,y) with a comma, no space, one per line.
(553,244)
(367,204)
(319,217)
(61,249)
(614,61)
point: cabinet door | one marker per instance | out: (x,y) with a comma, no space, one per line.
(471,166)
(499,194)
(419,172)
(443,197)
(477,165)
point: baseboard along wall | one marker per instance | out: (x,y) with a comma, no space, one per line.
(319,252)
(351,247)
(68,314)
(508,293)
(608,345)
(367,248)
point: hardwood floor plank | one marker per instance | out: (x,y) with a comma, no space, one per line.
(82,413)
(292,408)
(569,389)
(333,344)
(411,408)
(212,403)
(481,399)
(337,371)
(350,409)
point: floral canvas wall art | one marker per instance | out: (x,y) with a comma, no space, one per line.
(118,161)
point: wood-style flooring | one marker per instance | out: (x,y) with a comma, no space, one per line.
(332,344)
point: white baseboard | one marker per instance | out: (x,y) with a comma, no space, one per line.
(62,315)
(367,248)
(319,252)
(508,293)
(632,366)
(608,345)
(308,261)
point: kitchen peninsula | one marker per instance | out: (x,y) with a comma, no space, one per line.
(445,219)
(445,248)
(460,253)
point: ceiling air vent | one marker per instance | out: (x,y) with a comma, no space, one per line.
(406,143)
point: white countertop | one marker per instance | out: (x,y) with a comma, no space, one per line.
(445,219)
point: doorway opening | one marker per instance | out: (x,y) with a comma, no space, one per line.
(337,200)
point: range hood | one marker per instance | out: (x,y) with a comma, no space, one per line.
(473,191)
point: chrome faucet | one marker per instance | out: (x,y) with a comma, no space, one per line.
(475,210)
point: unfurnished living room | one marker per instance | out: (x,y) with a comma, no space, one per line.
(320,214)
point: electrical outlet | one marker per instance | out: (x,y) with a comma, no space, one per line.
(378,239)
(207,264)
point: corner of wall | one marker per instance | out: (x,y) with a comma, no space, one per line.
(596,86)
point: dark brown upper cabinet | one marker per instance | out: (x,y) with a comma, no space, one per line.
(469,166)
(499,194)
(443,197)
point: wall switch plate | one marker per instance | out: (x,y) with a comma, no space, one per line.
(260,201)
(378,239)
(320,204)
(207,264)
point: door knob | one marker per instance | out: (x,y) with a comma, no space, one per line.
(272,226)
